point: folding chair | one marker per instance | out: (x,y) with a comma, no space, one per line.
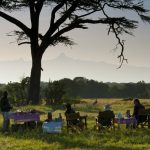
(74,122)
(105,119)
(144,117)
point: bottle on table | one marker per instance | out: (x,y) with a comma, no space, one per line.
(60,117)
(49,116)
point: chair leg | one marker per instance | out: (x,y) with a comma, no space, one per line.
(148,121)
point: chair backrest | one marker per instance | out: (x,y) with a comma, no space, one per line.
(106,118)
(106,114)
(72,116)
(143,116)
(143,112)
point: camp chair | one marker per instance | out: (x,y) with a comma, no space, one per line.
(144,117)
(74,121)
(105,119)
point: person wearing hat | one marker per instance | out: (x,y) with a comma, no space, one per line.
(107,107)
(105,117)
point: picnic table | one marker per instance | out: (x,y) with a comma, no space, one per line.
(24,116)
(128,121)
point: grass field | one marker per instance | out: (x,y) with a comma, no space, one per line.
(119,139)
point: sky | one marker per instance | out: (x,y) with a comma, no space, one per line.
(91,45)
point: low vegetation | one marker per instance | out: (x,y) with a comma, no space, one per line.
(72,89)
(119,139)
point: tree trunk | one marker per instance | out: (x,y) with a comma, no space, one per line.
(34,88)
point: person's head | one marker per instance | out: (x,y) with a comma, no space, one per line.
(107,107)
(128,111)
(136,101)
(99,111)
(5,93)
(68,106)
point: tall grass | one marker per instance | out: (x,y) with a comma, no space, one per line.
(90,139)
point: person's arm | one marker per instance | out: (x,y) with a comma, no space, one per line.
(8,104)
(135,111)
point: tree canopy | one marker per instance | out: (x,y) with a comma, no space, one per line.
(74,14)
(65,90)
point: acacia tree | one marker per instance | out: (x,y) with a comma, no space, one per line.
(67,15)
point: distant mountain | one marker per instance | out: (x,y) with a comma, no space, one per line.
(66,67)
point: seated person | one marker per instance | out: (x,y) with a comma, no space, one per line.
(105,118)
(107,107)
(70,110)
(128,115)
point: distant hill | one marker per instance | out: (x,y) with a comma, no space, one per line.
(66,67)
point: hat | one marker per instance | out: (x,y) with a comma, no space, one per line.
(107,107)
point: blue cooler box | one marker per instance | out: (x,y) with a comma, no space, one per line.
(52,126)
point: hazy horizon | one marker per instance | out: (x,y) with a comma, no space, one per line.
(67,67)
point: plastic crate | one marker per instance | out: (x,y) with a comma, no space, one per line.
(52,127)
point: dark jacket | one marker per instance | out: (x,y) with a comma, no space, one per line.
(73,121)
(5,105)
(69,111)
(137,107)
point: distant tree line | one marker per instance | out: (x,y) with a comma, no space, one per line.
(85,88)
(80,87)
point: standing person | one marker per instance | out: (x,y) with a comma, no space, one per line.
(5,108)
(137,107)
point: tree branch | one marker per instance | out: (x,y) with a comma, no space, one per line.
(50,40)
(24,43)
(16,22)
(35,9)
(121,43)
(62,19)
(57,24)
(39,6)
(54,12)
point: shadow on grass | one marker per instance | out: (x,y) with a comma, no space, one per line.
(89,139)
(67,141)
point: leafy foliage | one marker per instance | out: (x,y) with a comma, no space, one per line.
(67,90)
(54,92)
(18,91)
(84,88)
(76,14)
